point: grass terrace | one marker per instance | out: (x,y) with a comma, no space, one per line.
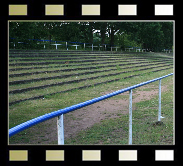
(41,82)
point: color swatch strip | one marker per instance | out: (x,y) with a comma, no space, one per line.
(91,155)
(91,10)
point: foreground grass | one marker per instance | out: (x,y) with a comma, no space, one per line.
(145,131)
(109,131)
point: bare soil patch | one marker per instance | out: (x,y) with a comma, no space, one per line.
(86,117)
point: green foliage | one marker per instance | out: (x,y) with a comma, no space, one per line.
(156,35)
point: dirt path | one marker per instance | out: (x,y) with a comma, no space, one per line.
(86,117)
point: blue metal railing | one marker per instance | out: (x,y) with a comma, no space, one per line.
(60,112)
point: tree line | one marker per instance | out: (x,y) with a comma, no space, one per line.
(151,35)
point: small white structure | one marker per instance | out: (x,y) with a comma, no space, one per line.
(13,44)
(92,46)
(104,46)
(131,48)
(167,50)
(42,43)
(56,45)
(100,47)
(138,49)
(115,47)
(76,46)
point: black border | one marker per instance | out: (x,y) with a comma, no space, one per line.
(73,154)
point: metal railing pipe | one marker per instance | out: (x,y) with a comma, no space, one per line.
(130,118)
(60,129)
(51,115)
(159,110)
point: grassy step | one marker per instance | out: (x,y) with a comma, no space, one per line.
(75,68)
(67,69)
(85,86)
(82,64)
(51,77)
(63,61)
(75,81)
(71,78)
(99,76)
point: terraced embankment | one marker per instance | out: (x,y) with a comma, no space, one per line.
(36,74)
(43,81)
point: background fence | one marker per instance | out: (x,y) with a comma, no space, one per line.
(60,112)
(68,45)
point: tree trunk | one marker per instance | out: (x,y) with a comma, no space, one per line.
(49,37)
(90,35)
(103,31)
(112,36)
(102,36)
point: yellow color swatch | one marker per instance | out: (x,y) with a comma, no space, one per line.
(19,10)
(127,155)
(91,155)
(54,155)
(54,9)
(127,9)
(18,155)
(91,10)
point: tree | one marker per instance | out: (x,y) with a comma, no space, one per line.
(167,29)
(154,35)
(102,26)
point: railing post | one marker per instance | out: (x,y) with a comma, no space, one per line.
(159,110)
(60,128)
(130,117)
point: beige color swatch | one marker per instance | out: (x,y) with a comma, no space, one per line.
(127,9)
(91,155)
(54,9)
(127,155)
(90,9)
